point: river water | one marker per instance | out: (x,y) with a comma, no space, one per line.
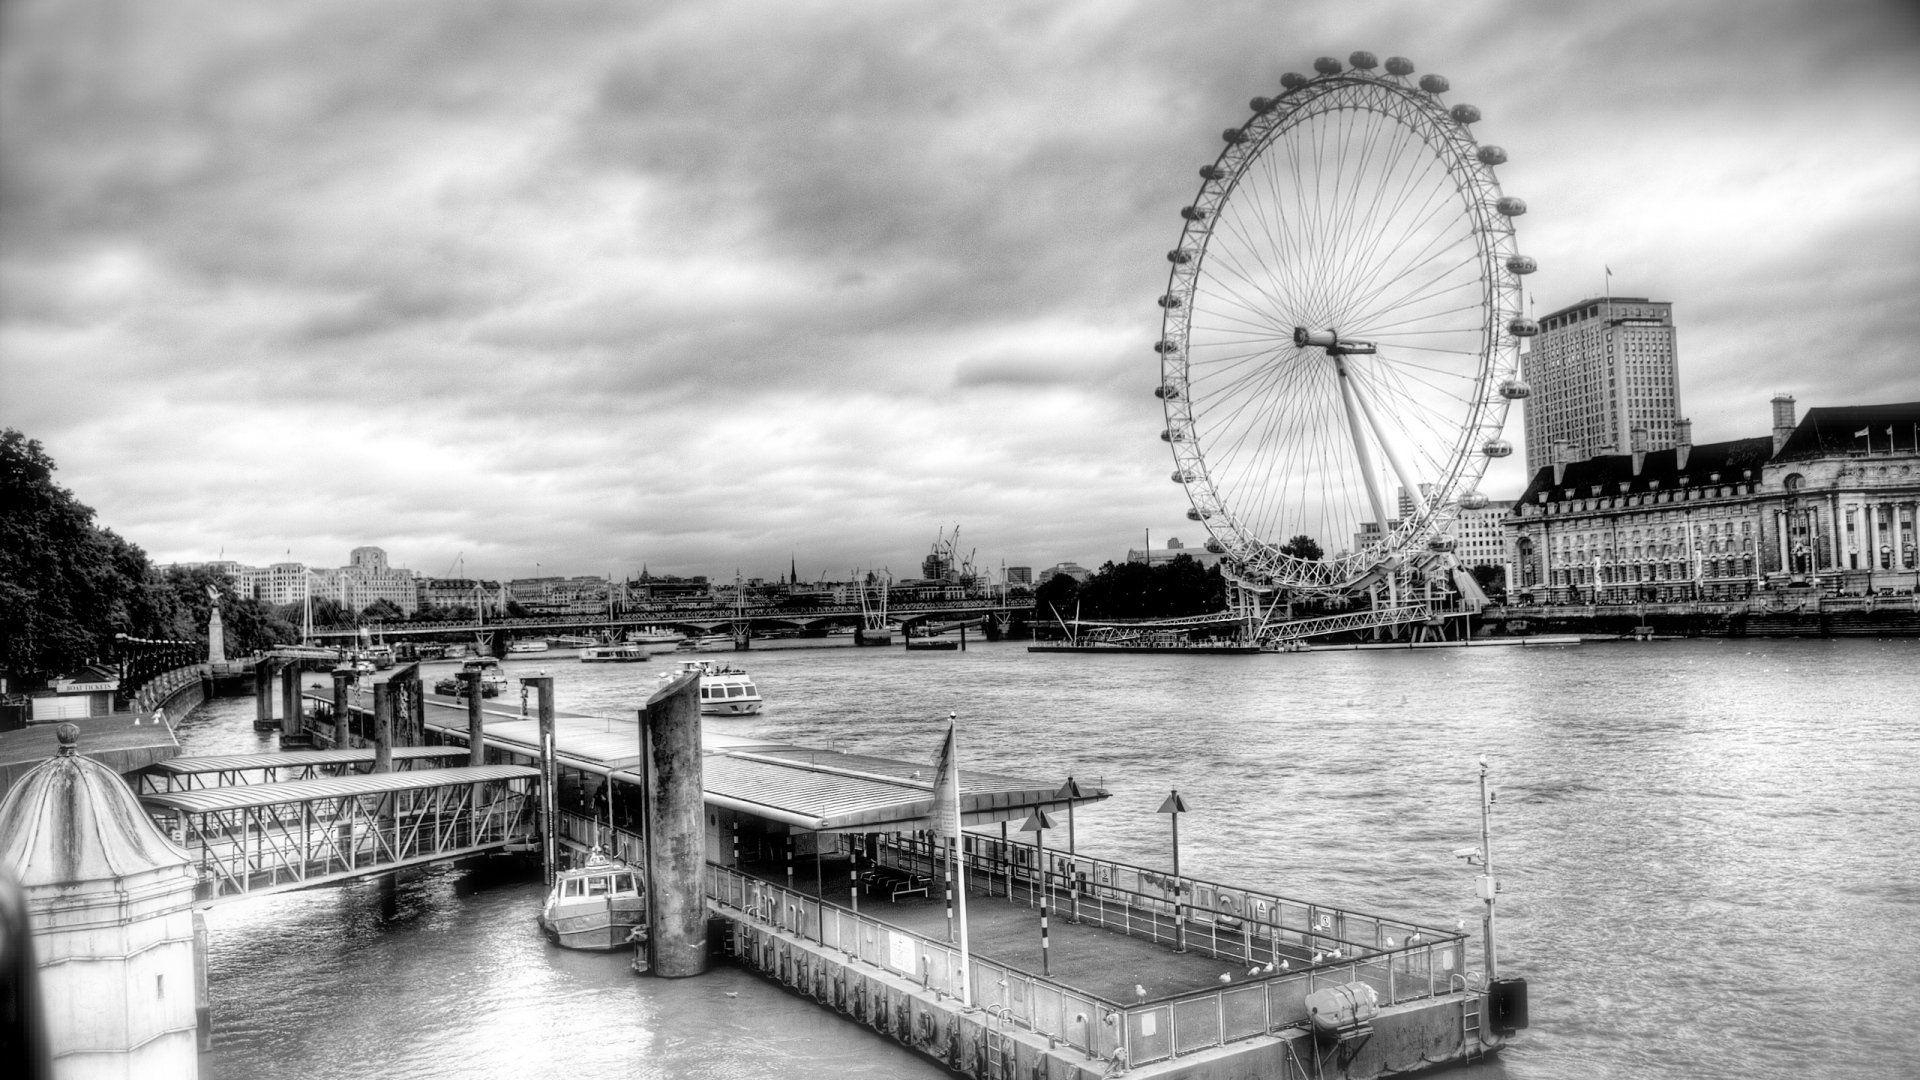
(1707,851)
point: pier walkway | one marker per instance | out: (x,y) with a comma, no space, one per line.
(260,838)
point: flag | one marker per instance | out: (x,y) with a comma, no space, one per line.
(1861,434)
(946,791)
(946,823)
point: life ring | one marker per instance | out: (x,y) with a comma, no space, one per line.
(1229,911)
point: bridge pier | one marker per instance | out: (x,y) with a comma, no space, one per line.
(263,693)
(476,727)
(290,699)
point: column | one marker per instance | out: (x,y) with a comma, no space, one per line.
(1780,532)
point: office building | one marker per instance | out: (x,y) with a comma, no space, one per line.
(1599,369)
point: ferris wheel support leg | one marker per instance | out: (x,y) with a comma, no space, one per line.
(1360,441)
(1407,482)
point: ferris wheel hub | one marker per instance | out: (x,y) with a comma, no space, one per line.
(1331,341)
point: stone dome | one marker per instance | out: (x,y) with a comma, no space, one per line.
(73,819)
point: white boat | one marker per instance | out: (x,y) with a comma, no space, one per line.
(530,646)
(490,673)
(626,652)
(725,690)
(707,643)
(601,905)
(656,639)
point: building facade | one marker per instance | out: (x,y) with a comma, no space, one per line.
(1599,369)
(1828,501)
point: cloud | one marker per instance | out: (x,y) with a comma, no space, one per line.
(702,285)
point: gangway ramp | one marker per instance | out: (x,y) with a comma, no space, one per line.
(265,838)
(270,767)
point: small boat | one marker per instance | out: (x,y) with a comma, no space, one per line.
(600,905)
(724,690)
(382,656)
(626,652)
(457,688)
(707,643)
(533,645)
(572,641)
(492,679)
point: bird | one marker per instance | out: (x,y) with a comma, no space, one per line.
(1140,991)
(1285,965)
(1336,954)
(1319,956)
(1390,943)
(1459,924)
(1226,976)
(1254,970)
(733,993)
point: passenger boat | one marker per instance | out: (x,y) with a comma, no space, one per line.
(656,639)
(626,652)
(724,690)
(601,905)
(528,646)
(707,643)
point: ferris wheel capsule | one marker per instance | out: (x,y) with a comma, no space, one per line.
(1164,347)
(1465,114)
(1497,448)
(1399,65)
(1234,135)
(1491,155)
(1167,392)
(1170,301)
(1260,104)
(1183,476)
(1521,264)
(1473,500)
(1511,206)
(1193,213)
(1198,513)
(1293,80)
(1327,65)
(1434,84)
(1363,61)
(1523,328)
(1215,546)
(1515,389)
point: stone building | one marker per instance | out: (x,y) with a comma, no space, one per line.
(1828,501)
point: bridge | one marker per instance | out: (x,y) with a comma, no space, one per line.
(250,839)
(706,618)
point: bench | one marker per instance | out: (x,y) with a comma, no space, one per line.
(895,883)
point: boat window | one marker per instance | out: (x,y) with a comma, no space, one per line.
(571,888)
(734,691)
(747,689)
(596,886)
(624,883)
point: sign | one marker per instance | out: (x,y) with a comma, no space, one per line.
(901,954)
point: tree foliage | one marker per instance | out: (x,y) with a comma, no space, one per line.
(1169,590)
(1303,546)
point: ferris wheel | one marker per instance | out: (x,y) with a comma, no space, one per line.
(1342,328)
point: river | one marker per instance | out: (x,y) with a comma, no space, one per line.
(1706,848)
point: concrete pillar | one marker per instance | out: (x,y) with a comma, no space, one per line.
(675,826)
(549,775)
(382,727)
(262,690)
(290,699)
(342,713)
(476,727)
(110,900)
(216,638)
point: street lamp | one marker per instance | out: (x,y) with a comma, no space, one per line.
(1173,807)
(1038,825)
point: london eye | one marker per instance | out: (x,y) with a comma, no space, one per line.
(1341,331)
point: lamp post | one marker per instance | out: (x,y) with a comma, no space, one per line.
(1173,807)
(1038,825)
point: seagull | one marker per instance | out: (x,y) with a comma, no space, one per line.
(733,993)
(1319,956)
(1254,970)
(1226,976)
(1459,924)
(1336,954)
(1285,965)
(1390,943)
(1140,991)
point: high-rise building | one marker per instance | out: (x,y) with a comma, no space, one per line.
(1600,369)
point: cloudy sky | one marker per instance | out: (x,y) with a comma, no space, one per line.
(572,288)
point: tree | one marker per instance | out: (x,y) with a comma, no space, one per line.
(1057,597)
(382,610)
(1303,546)
(66,585)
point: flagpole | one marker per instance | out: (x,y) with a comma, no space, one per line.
(960,863)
